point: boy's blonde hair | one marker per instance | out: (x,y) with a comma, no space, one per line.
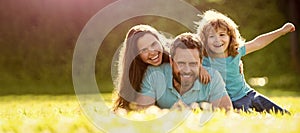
(213,19)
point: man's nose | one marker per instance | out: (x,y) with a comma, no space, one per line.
(186,69)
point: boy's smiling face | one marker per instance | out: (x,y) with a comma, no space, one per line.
(217,42)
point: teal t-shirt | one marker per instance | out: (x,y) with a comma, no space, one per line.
(236,85)
(157,83)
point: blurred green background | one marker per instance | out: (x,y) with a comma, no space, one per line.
(38,37)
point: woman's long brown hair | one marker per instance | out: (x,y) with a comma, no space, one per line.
(131,68)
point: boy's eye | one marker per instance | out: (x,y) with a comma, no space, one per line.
(223,34)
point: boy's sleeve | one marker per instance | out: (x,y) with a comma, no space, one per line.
(242,50)
(217,87)
(153,81)
(206,62)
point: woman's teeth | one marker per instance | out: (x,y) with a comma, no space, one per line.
(155,57)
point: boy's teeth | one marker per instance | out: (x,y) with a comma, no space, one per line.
(219,45)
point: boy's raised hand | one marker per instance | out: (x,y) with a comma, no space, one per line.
(288,27)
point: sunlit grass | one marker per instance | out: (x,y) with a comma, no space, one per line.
(49,114)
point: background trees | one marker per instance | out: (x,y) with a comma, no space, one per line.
(38,37)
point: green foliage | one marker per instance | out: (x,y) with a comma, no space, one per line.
(38,39)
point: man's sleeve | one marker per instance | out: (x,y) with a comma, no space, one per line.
(217,87)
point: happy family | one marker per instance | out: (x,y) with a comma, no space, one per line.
(193,68)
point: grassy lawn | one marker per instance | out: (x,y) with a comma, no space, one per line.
(47,114)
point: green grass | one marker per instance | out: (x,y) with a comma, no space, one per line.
(50,114)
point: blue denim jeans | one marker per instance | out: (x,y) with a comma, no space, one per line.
(257,101)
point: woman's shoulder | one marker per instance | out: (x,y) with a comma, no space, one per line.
(162,67)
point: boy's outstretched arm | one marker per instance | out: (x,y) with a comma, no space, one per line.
(263,40)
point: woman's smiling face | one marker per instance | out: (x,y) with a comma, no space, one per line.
(150,49)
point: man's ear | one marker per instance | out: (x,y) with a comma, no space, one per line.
(171,61)
(200,60)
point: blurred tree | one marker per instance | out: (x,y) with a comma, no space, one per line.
(292,13)
(38,37)
(294,16)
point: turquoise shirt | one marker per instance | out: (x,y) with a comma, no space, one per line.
(157,83)
(236,85)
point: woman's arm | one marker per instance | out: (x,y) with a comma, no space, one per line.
(265,39)
(144,101)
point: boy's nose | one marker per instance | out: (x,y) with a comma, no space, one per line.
(217,39)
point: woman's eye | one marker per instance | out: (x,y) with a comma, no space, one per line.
(144,50)
(154,44)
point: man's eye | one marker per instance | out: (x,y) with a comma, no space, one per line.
(180,63)
(194,64)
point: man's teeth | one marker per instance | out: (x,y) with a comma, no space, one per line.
(186,76)
(155,57)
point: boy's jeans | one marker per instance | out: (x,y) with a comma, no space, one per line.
(258,102)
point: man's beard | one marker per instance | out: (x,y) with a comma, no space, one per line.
(177,78)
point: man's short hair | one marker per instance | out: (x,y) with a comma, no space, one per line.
(187,41)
